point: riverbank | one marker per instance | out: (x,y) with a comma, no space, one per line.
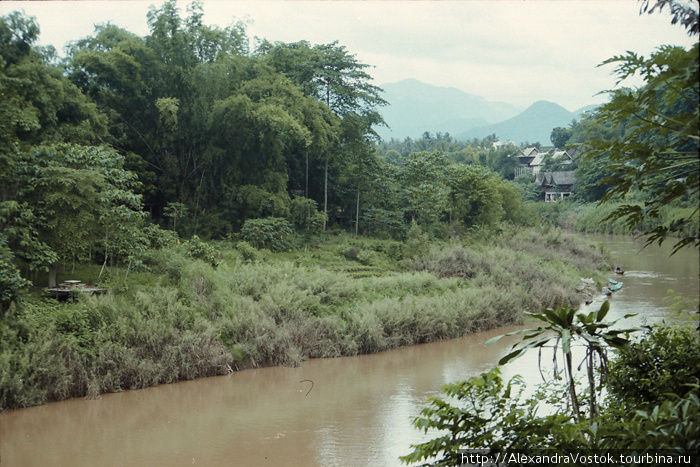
(329,296)
(593,218)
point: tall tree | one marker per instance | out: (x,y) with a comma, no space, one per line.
(329,73)
(659,151)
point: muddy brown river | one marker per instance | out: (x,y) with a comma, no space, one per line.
(357,413)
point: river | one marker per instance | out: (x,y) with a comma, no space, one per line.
(357,413)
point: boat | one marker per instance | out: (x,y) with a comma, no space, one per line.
(612,281)
(619,271)
(616,287)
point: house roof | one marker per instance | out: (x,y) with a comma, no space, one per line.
(555,178)
(527,152)
(538,159)
(572,152)
(561,154)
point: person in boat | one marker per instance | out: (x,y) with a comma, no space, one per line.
(619,270)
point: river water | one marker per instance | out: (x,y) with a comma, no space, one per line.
(357,413)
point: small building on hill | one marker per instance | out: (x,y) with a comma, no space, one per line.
(531,160)
(556,186)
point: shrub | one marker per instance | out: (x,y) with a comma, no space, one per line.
(160,238)
(199,249)
(366,257)
(383,223)
(417,241)
(304,215)
(11,280)
(663,363)
(352,253)
(249,253)
(272,233)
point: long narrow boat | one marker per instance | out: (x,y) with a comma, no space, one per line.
(616,287)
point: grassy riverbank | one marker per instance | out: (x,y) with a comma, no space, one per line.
(331,295)
(591,217)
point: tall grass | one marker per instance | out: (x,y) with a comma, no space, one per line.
(186,319)
(593,218)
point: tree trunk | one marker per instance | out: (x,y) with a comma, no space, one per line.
(325,193)
(572,388)
(104,263)
(53,272)
(357,211)
(306,187)
(196,204)
(591,386)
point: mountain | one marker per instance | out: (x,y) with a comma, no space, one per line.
(533,125)
(415,107)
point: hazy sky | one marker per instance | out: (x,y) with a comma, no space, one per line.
(513,51)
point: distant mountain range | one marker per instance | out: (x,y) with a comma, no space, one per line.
(533,125)
(416,107)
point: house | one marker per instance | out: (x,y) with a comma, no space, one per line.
(556,186)
(532,160)
(525,157)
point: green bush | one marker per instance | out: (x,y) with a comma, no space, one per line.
(160,238)
(665,362)
(383,223)
(186,319)
(366,257)
(303,214)
(417,241)
(11,281)
(484,412)
(272,233)
(248,252)
(199,249)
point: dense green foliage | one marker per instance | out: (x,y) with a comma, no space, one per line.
(664,362)
(652,405)
(207,136)
(658,152)
(198,309)
(272,233)
(645,144)
(481,152)
(264,150)
(592,218)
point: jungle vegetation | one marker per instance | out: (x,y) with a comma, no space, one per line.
(238,205)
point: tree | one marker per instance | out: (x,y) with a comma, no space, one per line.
(474,195)
(567,326)
(72,199)
(560,136)
(425,187)
(329,73)
(11,280)
(659,150)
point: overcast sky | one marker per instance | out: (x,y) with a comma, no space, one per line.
(512,51)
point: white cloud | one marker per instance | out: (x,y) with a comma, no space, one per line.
(513,51)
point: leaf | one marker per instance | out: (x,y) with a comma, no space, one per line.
(603,310)
(566,341)
(511,356)
(512,333)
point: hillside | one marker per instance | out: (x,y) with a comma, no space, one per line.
(416,107)
(534,124)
